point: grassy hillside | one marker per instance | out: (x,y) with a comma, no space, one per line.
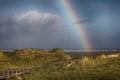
(61,66)
(83,68)
(31,57)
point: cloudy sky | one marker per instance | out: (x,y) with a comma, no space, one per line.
(44,24)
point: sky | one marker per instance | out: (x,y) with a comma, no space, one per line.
(46,24)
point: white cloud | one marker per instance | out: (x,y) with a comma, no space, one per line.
(37,22)
(35,29)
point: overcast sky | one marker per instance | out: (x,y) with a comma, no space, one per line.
(41,24)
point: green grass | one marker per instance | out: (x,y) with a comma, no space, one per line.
(85,68)
(30,57)
(81,68)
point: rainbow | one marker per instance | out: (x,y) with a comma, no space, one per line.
(78,27)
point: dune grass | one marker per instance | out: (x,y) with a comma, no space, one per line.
(84,68)
(61,66)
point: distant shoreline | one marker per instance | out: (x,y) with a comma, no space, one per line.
(72,50)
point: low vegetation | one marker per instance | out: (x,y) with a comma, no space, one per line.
(61,66)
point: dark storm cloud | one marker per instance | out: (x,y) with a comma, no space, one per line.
(39,24)
(104,28)
(108,43)
(33,29)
